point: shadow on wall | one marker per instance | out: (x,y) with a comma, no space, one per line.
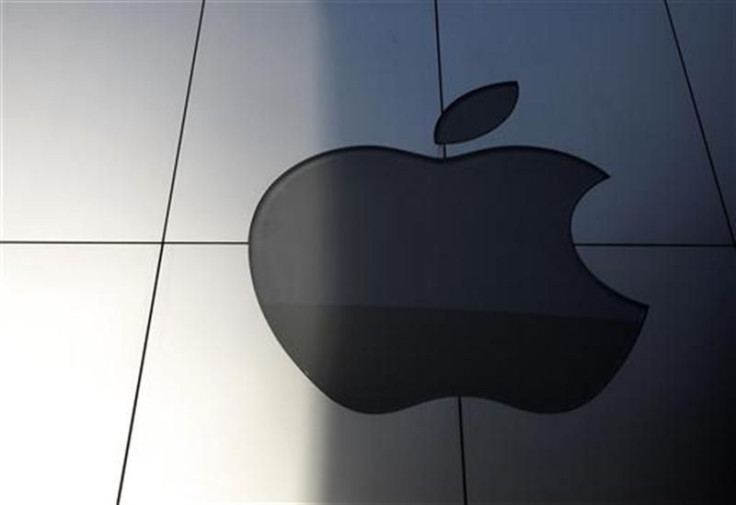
(393,277)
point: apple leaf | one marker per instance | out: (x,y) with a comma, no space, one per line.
(476,113)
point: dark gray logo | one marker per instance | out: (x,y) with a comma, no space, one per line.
(392,278)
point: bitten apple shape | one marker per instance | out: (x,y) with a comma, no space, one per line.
(392,278)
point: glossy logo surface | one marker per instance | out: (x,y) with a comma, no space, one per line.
(392,278)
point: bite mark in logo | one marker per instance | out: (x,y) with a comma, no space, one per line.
(392,278)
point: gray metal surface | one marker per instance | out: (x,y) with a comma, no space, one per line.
(662,430)
(278,82)
(226,416)
(603,81)
(92,94)
(707,35)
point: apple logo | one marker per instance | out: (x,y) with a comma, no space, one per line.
(392,278)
